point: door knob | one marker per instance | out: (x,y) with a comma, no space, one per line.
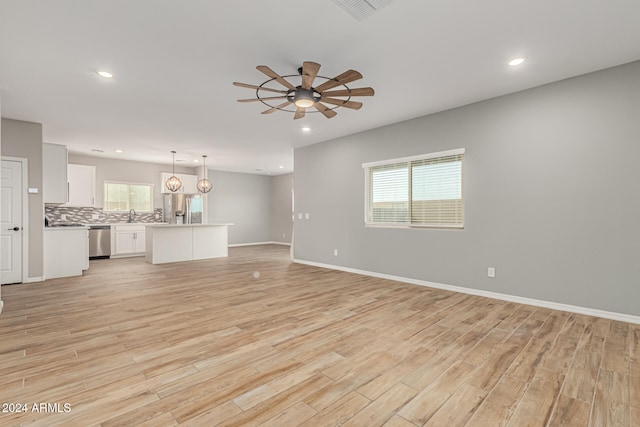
(14,229)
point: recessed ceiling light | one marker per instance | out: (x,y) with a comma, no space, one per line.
(117,150)
(281,167)
(105,74)
(196,161)
(516,61)
(305,129)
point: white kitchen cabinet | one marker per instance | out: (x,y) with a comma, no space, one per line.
(66,251)
(54,173)
(129,240)
(189,183)
(82,185)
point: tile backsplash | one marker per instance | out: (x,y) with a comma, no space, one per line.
(96,215)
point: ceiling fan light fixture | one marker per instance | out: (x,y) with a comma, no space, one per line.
(303,98)
(307,95)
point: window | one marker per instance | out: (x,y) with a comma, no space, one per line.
(423,191)
(120,196)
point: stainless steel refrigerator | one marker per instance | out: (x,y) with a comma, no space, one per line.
(183,208)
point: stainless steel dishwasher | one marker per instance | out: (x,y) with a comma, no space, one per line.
(99,241)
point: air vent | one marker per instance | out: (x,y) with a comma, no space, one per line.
(362,9)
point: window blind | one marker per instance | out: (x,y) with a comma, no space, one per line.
(436,192)
(424,191)
(389,197)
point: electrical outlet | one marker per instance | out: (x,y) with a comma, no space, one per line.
(491,272)
(299,216)
(335,252)
(283,235)
(63,217)
(95,216)
(307,216)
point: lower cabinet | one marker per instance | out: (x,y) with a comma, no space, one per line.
(129,240)
(66,251)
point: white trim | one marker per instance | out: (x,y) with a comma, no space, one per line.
(1,305)
(24,163)
(33,279)
(446,153)
(488,294)
(236,245)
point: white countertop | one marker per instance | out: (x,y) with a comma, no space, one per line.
(80,227)
(165,225)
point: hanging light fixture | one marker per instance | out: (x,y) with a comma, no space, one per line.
(204,185)
(173,184)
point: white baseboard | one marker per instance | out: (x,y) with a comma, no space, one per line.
(1,305)
(495,295)
(235,245)
(33,279)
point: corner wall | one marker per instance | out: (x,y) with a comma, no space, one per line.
(552,195)
(281,199)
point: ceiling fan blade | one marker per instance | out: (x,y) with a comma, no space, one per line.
(328,113)
(277,107)
(259,87)
(269,72)
(344,78)
(261,99)
(354,105)
(360,91)
(299,113)
(309,73)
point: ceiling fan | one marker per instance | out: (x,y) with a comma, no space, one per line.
(304,95)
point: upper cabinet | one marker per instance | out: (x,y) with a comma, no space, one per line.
(82,185)
(54,173)
(188,183)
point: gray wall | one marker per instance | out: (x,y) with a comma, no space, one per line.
(243,199)
(552,195)
(281,222)
(24,139)
(1,302)
(127,171)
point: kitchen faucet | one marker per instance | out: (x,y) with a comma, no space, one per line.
(132,215)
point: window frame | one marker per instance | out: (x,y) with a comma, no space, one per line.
(368,220)
(104,195)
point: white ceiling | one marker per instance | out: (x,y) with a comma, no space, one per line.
(175,62)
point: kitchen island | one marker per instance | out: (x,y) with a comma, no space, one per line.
(186,242)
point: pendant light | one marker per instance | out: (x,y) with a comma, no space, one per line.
(173,184)
(204,185)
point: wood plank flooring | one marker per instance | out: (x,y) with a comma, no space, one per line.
(206,343)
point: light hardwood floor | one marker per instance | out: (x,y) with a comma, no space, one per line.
(206,343)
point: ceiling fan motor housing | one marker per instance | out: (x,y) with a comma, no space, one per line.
(303,98)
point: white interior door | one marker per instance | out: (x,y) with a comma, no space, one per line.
(11,222)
